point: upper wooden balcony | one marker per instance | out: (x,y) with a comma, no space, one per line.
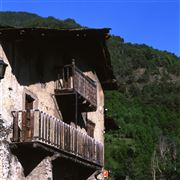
(34,126)
(72,80)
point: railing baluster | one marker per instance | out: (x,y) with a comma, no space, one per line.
(51,130)
(62,135)
(36,125)
(84,146)
(31,128)
(15,128)
(70,142)
(77,142)
(48,128)
(41,125)
(84,85)
(69,138)
(80,145)
(19,124)
(44,127)
(23,126)
(56,133)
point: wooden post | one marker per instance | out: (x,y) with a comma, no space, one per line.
(58,134)
(23,134)
(52,130)
(41,125)
(36,133)
(15,127)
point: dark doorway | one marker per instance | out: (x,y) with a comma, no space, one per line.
(29,101)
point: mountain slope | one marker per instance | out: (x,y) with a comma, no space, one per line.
(24,19)
(146,109)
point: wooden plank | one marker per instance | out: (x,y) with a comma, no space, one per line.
(51,130)
(71,139)
(65,137)
(102,155)
(77,142)
(41,125)
(31,125)
(56,133)
(62,135)
(23,137)
(87,147)
(48,129)
(15,128)
(36,124)
(91,149)
(97,153)
(68,137)
(83,146)
(45,128)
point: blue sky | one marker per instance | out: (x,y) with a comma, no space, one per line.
(153,22)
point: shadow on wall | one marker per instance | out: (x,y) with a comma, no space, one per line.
(40,60)
(31,154)
(64,169)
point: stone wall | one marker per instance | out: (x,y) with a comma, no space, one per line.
(11,168)
(12,98)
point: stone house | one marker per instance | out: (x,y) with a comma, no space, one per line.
(52,98)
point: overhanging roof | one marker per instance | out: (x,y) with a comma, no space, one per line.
(103,68)
(4,31)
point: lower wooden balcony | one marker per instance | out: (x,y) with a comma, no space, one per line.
(35,126)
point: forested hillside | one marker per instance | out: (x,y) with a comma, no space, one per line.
(145,107)
(24,19)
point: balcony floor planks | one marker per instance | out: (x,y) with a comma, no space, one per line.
(65,91)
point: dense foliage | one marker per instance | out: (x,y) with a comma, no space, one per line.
(145,106)
(146,109)
(24,19)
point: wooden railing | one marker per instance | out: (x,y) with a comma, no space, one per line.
(35,125)
(73,78)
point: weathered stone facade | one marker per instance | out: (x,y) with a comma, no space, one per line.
(31,73)
(13,98)
(11,168)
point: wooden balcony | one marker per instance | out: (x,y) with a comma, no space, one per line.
(39,127)
(72,79)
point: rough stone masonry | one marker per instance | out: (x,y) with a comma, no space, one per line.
(10,167)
